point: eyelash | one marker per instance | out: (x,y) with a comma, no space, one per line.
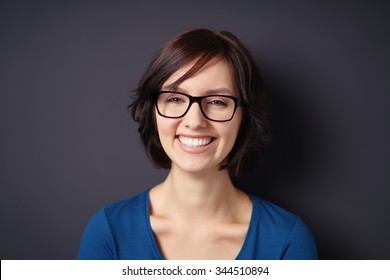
(172,99)
(217,102)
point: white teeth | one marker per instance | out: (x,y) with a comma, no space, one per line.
(195,142)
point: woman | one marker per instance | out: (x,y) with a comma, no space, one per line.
(200,109)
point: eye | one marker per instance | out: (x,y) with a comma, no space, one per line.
(219,102)
(174,99)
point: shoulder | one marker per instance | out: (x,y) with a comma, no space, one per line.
(132,206)
(119,209)
(275,218)
(281,229)
(107,226)
(272,214)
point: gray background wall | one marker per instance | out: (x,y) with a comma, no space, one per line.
(68,145)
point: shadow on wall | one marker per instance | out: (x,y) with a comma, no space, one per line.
(294,161)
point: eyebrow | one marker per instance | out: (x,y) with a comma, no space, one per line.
(219,91)
(208,92)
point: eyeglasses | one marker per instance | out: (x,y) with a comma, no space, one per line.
(218,108)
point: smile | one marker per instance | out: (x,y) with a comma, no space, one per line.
(195,142)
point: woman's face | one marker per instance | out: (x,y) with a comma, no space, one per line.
(192,142)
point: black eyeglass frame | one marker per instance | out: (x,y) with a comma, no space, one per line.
(198,99)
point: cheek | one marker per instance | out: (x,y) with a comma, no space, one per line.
(235,125)
(166,128)
(229,133)
(161,129)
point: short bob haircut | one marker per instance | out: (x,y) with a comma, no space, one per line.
(201,45)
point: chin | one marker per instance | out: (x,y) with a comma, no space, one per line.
(191,167)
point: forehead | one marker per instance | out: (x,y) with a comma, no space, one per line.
(216,73)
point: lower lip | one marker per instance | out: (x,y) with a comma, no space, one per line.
(195,150)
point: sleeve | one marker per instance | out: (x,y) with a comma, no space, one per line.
(300,244)
(97,242)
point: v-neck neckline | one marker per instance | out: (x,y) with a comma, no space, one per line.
(156,248)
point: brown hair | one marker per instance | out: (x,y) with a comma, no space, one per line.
(202,45)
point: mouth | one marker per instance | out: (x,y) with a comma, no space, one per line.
(195,142)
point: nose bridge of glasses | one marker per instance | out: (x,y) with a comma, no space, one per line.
(198,100)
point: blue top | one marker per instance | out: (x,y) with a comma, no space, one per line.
(122,230)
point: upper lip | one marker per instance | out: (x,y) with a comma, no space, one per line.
(195,136)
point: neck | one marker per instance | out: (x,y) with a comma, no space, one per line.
(193,196)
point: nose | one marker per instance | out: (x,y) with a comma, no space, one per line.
(194,117)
